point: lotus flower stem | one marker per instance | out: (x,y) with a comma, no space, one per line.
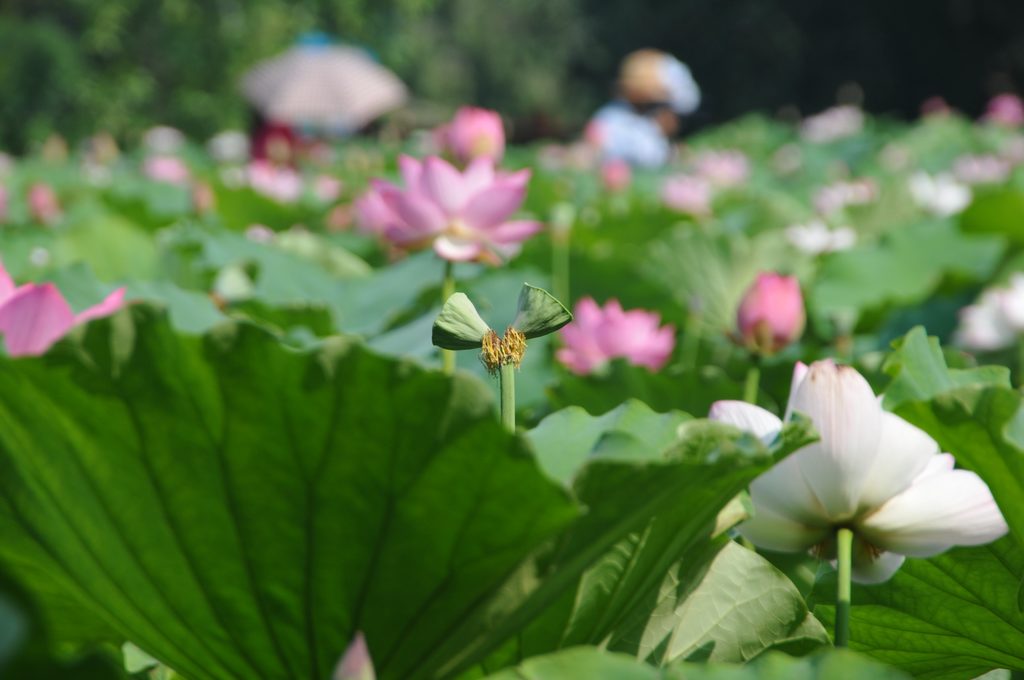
(507,380)
(844,540)
(691,340)
(447,290)
(751,384)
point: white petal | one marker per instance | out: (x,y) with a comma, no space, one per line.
(938,511)
(844,410)
(772,531)
(783,491)
(747,417)
(799,373)
(875,570)
(904,452)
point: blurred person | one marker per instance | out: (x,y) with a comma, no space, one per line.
(654,90)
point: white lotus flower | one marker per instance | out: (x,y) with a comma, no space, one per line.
(871,471)
(940,195)
(815,237)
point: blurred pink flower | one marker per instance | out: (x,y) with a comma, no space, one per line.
(327,188)
(981,169)
(373,215)
(836,196)
(277,182)
(356,663)
(935,106)
(169,169)
(616,175)
(687,194)
(723,168)
(203,198)
(259,233)
(43,204)
(597,335)
(464,215)
(771,314)
(1005,109)
(33,317)
(475,133)
(832,124)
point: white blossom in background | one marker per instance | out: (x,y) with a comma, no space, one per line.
(870,471)
(229,146)
(996,320)
(832,124)
(163,140)
(939,194)
(815,237)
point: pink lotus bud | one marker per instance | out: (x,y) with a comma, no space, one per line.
(616,175)
(356,663)
(687,194)
(771,314)
(203,198)
(43,204)
(169,169)
(1005,109)
(476,133)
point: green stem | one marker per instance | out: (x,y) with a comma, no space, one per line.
(691,341)
(751,384)
(560,262)
(844,539)
(507,380)
(447,290)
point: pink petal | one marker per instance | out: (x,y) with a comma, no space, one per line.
(356,663)
(444,185)
(412,171)
(421,217)
(6,284)
(110,304)
(493,205)
(479,175)
(515,231)
(33,319)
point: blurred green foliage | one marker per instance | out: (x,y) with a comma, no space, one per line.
(78,66)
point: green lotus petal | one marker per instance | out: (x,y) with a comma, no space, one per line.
(539,313)
(459,325)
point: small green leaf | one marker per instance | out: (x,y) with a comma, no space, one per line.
(539,313)
(459,325)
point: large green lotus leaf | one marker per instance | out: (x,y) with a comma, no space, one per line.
(953,617)
(675,507)
(113,247)
(903,269)
(998,211)
(239,510)
(594,664)
(919,371)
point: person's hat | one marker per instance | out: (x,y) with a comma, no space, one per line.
(651,77)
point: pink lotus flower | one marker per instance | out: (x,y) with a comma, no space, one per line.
(597,335)
(981,169)
(43,204)
(836,196)
(373,215)
(616,175)
(463,215)
(723,168)
(475,133)
(169,169)
(277,182)
(33,317)
(1005,109)
(771,314)
(687,194)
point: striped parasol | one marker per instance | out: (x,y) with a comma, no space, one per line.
(320,84)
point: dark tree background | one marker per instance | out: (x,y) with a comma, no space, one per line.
(76,66)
